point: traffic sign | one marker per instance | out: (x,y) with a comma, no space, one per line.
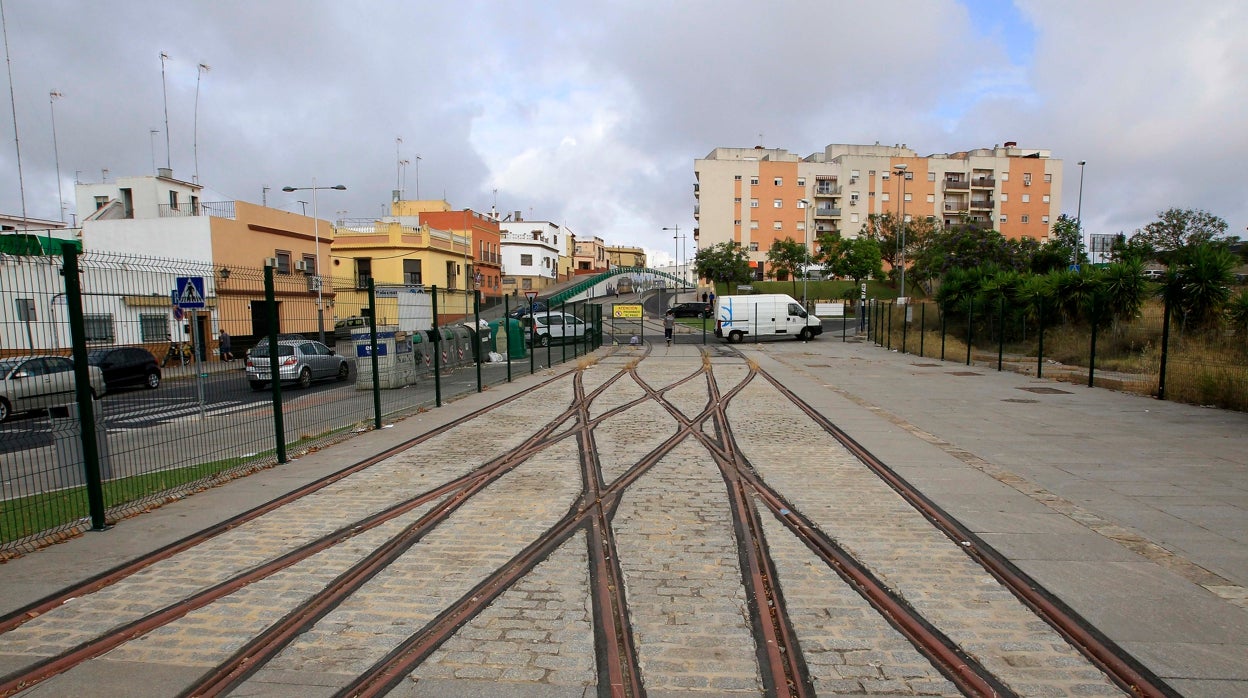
(189,294)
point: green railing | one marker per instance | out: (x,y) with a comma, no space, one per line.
(592,281)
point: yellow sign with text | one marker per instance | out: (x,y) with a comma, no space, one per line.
(626,312)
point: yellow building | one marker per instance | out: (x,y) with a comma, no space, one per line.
(619,256)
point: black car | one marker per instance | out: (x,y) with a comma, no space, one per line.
(702,310)
(126,367)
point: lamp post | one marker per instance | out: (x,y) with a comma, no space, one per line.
(56,153)
(1079,212)
(901,248)
(316,235)
(805,245)
(679,239)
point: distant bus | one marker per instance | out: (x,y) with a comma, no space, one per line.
(624,285)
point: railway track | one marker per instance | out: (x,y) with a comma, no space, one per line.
(638,524)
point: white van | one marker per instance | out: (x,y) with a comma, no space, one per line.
(764,315)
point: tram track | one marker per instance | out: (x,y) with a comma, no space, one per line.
(781,661)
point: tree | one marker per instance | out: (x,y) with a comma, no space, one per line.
(726,262)
(1059,252)
(861,260)
(786,258)
(1177,228)
(962,246)
(1199,288)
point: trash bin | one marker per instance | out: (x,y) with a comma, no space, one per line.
(67,438)
(396,366)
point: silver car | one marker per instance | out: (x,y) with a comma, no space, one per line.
(39,382)
(299,361)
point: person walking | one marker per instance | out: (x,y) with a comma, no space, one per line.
(669,326)
(227,352)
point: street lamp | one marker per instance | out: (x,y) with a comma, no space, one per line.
(679,240)
(901,248)
(1079,212)
(316,235)
(805,245)
(60,198)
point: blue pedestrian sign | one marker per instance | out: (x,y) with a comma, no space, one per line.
(189,295)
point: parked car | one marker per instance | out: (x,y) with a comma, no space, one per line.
(523,309)
(543,328)
(38,382)
(300,361)
(126,367)
(702,310)
(281,336)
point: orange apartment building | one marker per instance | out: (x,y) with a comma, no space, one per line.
(756,196)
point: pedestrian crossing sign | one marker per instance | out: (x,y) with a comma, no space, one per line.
(189,295)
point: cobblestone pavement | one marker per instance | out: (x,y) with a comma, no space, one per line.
(678,553)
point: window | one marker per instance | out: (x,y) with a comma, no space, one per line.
(1026,218)
(154,328)
(452,274)
(411,271)
(526,260)
(777,203)
(736,178)
(98,328)
(1026,179)
(853,218)
(309,263)
(753,225)
(884,176)
(100,202)
(753,203)
(737,222)
(25,309)
(736,199)
(778,181)
(526,283)
(801,181)
(1045,198)
(173,199)
(283,261)
(1044,219)
(363,271)
(907,197)
(754,181)
(1005,197)
(1005,176)
(801,225)
(1026,198)
(1048,177)
(753,247)
(931,176)
(1003,218)
(853,197)
(909,176)
(884,196)
(931,198)
(777,226)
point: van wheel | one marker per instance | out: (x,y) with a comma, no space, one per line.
(804,335)
(735,336)
(543,340)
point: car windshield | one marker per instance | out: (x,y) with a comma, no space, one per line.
(95,356)
(282,350)
(8,365)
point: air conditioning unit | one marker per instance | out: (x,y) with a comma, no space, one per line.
(271,262)
(302,266)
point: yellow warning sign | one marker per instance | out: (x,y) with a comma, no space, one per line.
(628,312)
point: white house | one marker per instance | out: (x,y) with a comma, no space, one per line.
(531,252)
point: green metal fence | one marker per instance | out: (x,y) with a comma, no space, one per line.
(1204,367)
(175,415)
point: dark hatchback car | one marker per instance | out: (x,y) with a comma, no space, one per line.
(702,310)
(523,309)
(126,367)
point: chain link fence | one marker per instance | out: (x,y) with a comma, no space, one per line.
(178,355)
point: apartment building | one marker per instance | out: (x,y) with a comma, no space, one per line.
(590,256)
(484,271)
(622,256)
(532,251)
(756,196)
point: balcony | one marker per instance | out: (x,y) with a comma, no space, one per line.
(956,185)
(826,212)
(823,189)
(955,206)
(216,209)
(982,205)
(984,182)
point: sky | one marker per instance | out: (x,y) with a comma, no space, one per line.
(590,114)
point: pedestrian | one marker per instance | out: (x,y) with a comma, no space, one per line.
(704,297)
(227,353)
(669,326)
(712,300)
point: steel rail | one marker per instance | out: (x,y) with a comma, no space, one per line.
(1117,664)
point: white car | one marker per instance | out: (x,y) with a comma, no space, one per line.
(543,328)
(38,382)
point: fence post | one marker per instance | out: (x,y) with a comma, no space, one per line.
(476,323)
(905,325)
(944,326)
(82,388)
(1096,320)
(1165,347)
(507,330)
(1040,346)
(372,351)
(888,338)
(922,327)
(563,308)
(275,375)
(436,335)
(1001,334)
(970,322)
